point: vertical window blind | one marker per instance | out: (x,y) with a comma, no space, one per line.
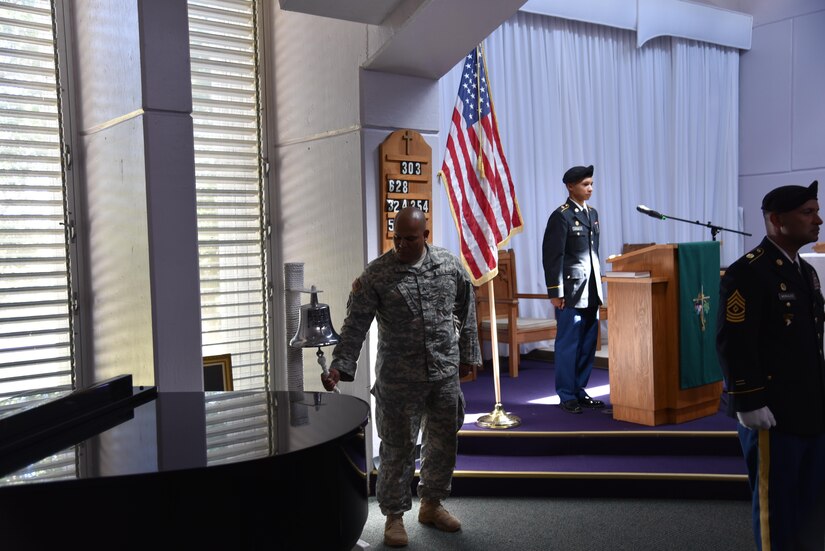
(226,117)
(35,315)
(35,320)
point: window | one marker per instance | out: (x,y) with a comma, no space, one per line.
(223,42)
(35,319)
(36,324)
(35,313)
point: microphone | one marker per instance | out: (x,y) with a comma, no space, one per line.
(650,212)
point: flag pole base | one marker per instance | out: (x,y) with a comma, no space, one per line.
(498,419)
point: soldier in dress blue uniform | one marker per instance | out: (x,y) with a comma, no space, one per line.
(769,344)
(570,254)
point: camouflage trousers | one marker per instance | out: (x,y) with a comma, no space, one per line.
(437,409)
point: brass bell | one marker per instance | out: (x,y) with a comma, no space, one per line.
(314,326)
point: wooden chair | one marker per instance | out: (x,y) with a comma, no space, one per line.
(511,328)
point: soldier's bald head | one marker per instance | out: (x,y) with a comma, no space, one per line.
(410,234)
(412,217)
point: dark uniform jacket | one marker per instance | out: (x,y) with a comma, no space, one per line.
(769,339)
(568,239)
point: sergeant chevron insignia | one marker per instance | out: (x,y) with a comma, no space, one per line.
(735,308)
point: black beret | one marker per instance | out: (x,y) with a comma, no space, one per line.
(577,174)
(787,198)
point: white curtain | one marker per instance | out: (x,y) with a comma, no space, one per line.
(659,123)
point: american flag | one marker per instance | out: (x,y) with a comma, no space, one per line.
(476,175)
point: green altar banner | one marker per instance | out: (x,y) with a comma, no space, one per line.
(698,305)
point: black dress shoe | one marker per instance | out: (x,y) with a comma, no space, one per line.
(571,406)
(588,402)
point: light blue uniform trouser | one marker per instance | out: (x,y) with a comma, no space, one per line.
(575,349)
(787,475)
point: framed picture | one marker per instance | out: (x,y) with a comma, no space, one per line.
(217,372)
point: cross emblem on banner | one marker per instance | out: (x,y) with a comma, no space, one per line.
(701,305)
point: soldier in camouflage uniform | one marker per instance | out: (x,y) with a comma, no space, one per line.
(427,337)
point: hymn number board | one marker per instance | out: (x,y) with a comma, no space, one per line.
(406,172)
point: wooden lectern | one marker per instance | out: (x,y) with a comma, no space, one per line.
(644,343)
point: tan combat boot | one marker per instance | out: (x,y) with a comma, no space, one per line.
(432,512)
(394,533)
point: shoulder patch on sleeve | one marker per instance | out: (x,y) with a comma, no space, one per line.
(356,285)
(735,308)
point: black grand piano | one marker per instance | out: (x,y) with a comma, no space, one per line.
(121,467)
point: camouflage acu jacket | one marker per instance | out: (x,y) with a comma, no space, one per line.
(426,319)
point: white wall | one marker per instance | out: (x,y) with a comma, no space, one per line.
(330,117)
(782,114)
(315,154)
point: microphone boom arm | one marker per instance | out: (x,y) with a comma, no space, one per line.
(714,229)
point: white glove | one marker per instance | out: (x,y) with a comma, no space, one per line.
(761,418)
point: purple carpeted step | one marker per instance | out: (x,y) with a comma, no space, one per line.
(610,466)
(698,477)
(515,444)
(532,397)
(551,444)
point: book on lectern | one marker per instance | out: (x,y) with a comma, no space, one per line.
(627,274)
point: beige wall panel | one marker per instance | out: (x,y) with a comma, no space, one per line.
(315,75)
(781,110)
(173,240)
(766,89)
(316,161)
(395,101)
(165,47)
(120,293)
(771,11)
(322,223)
(103,68)
(808,83)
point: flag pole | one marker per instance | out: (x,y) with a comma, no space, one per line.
(498,418)
(479,68)
(475,192)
